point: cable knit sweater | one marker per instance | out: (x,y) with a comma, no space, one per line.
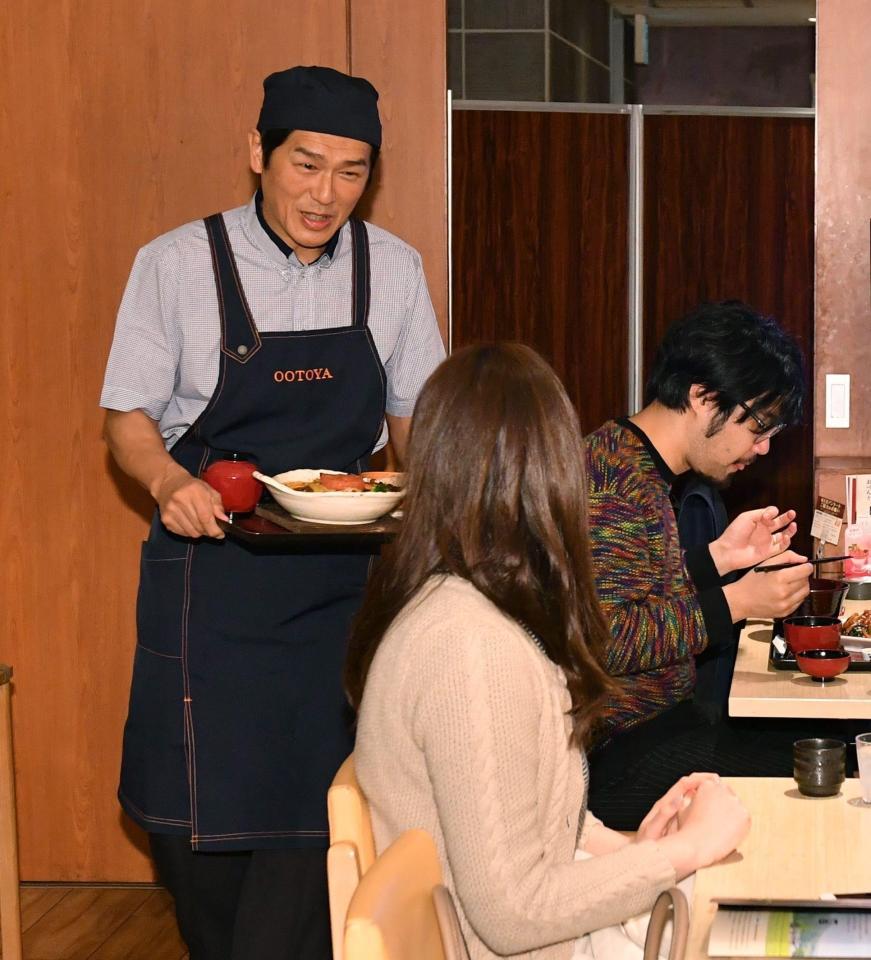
(463,732)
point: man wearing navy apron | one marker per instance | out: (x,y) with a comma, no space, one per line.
(237,720)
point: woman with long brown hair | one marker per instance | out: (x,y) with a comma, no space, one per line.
(476,665)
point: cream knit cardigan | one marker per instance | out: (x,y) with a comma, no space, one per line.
(463,732)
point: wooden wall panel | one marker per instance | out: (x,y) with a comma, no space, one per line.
(408,67)
(539,244)
(729,213)
(127,120)
(119,121)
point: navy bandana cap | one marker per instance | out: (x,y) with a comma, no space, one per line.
(322,100)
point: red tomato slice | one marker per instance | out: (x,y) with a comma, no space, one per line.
(342,481)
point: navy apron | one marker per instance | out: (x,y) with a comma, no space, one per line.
(237,719)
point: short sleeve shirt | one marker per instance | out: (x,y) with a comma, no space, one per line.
(165,354)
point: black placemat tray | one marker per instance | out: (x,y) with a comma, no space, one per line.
(271,528)
(786,661)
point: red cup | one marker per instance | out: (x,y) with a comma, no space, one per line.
(233,478)
(812,633)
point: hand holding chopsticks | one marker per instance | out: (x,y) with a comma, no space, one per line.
(785,566)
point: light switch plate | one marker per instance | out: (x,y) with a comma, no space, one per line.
(838,400)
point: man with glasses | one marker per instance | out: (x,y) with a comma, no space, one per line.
(725,382)
(766,431)
(701,518)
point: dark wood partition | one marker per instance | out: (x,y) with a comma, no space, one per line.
(729,213)
(540,245)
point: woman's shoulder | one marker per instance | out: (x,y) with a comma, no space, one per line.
(449,624)
(446,607)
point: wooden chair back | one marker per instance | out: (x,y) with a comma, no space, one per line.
(449,924)
(348,813)
(670,905)
(352,846)
(392,915)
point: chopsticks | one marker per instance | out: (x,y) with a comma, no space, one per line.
(786,566)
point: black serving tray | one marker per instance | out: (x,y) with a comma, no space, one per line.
(786,661)
(271,528)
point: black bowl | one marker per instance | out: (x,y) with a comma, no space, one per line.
(825,599)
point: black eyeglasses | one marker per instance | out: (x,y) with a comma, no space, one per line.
(766,431)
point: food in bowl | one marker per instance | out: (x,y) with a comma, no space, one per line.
(343,482)
(823,664)
(857,625)
(344,499)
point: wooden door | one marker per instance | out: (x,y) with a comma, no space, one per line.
(729,214)
(539,255)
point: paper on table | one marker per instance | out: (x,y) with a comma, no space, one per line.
(790,933)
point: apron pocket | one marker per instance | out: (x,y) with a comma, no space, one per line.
(154,779)
(160,603)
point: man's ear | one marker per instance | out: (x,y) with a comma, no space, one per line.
(699,398)
(255,151)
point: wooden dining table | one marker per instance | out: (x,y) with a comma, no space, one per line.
(797,847)
(758,690)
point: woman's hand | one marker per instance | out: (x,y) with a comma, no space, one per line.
(710,828)
(752,537)
(663,817)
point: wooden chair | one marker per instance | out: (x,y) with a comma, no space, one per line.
(670,905)
(453,941)
(10,906)
(352,846)
(400,910)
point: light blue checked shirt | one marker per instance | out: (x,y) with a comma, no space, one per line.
(165,353)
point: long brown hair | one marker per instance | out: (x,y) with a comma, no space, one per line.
(497,495)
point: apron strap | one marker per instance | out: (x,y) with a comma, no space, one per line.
(360,272)
(240,339)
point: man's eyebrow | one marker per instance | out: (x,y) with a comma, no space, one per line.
(308,153)
(319,156)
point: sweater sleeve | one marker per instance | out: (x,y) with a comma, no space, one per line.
(651,626)
(479,731)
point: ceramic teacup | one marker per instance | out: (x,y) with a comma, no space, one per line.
(818,766)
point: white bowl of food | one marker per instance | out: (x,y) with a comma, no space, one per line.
(330,496)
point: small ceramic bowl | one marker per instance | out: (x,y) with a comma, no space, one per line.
(812,633)
(823,665)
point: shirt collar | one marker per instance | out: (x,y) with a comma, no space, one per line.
(665,471)
(286,252)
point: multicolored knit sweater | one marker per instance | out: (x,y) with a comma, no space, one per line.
(649,599)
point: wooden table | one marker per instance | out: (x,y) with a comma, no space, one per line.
(759,691)
(798,847)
